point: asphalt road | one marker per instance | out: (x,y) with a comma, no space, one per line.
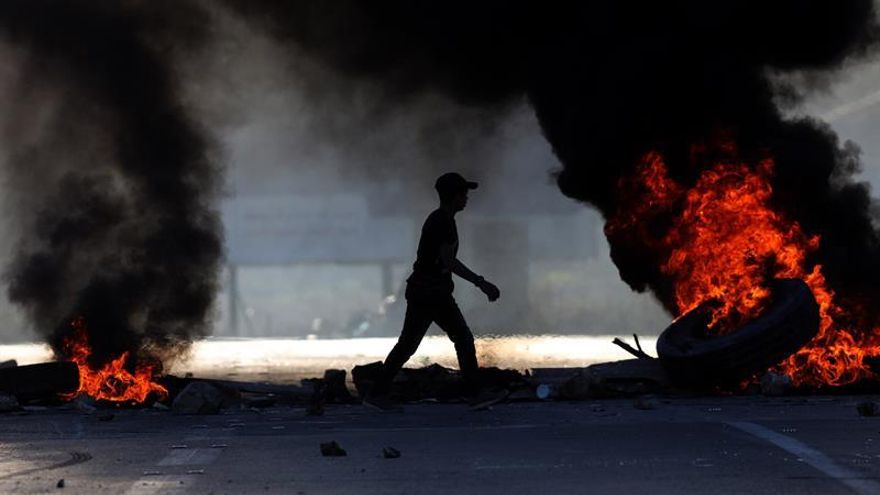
(816,445)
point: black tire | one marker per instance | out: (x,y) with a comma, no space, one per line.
(40,381)
(694,358)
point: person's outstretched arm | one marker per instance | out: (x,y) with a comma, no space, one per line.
(460,269)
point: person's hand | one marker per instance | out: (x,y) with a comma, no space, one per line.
(490,290)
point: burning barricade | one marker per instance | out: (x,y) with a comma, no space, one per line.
(740,274)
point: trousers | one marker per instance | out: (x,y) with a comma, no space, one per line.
(420,313)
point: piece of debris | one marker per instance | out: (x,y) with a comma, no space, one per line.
(775,384)
(365,376)
(868,408)
(107,416)
(637,352)
(60,483)
(39,381)
(627,378)
(646,402)
(335,390)
(198,398)
(316,404)
(432,382)
(390,453)
(332,449)
(9,403)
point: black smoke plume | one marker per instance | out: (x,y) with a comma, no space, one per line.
(124,230)
(610,80)
(127,236)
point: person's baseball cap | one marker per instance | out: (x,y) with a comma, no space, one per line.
(451,183)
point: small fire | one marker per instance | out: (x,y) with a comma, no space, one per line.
(725,243)
(112,382)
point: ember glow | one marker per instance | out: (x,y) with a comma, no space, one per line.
(112,382)
(724,245)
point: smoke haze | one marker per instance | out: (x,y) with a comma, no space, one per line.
(119,114)
(114,181)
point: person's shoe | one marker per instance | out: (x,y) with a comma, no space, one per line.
(381,403)
(487,398)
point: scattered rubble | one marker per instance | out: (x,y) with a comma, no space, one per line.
(627,378)
(433,381)
(332,449)
(199,398)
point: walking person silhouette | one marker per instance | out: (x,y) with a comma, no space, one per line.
(429,298)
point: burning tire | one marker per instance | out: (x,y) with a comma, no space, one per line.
(693,357)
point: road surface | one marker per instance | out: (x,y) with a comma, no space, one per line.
(802,445)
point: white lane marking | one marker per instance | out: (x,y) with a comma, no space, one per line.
(158,484)
(190,457)
(853,479)
(155,481)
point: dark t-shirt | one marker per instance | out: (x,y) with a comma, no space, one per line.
(430,277)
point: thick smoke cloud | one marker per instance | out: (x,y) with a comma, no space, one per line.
(117,184)
(612,80)
(123,230)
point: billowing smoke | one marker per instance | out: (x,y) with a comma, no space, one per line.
(610,81)
(114,184)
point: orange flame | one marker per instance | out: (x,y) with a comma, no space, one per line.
(112,382)
(724,245)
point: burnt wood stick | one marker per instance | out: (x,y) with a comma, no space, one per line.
(638,344)
(630,349)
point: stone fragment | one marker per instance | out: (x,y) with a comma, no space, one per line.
(198,398)
(332,449)
(390,453)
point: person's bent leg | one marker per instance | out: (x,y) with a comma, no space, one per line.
(415,325)
(449,318)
